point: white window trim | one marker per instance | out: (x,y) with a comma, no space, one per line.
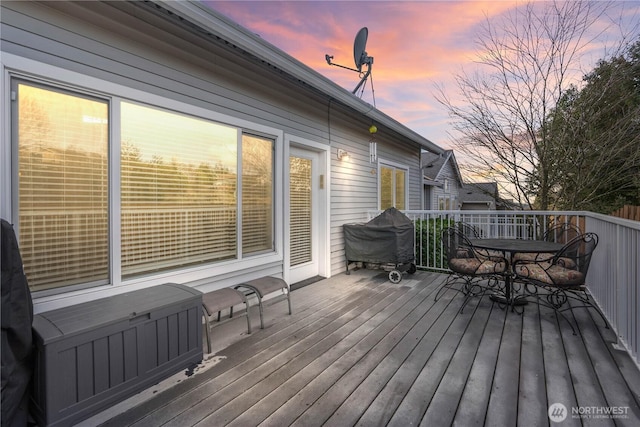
(12,66)
(382,163)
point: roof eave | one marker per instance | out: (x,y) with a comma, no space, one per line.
(221,26)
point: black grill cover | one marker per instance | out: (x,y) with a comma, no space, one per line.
(387,238)
(17,317)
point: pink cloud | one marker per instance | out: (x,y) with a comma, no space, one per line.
(416,45)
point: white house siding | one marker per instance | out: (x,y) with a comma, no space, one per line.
(428,198)
(447,173)
(120,44)
(354,188)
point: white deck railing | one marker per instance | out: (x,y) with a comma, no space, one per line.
(614,273)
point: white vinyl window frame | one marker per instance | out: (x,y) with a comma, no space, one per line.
(12,66)
(394,167)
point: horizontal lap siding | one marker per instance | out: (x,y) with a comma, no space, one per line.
(454,186)
(354,188)
(120,43)
(137,55)
(157,62)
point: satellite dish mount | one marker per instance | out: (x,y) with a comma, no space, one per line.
(360,57)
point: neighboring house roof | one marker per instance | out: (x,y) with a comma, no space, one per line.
(479,192)
(209,23)
(433,164)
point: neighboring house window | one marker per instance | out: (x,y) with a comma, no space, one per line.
(182,199)
(393,187)
(446,203)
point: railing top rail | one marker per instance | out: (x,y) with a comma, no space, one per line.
(608,218)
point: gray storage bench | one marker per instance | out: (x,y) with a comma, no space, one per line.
(93,355)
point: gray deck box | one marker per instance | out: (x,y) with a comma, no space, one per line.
(93,355)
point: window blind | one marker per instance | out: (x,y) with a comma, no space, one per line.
(392,187)
(63,187)
(257,194)
(400,189)
(301,213)
(178,190)
(386,187)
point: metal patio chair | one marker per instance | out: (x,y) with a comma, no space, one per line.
(558,282)
(561,233)
(474,271)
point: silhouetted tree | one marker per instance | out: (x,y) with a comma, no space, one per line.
(595,138)
(529,60)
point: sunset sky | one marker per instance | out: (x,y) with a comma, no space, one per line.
(416,46)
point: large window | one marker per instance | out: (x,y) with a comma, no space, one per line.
(179,185)
(257,194)
(393,187)
(192,191)
(62,186)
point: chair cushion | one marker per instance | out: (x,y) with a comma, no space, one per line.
(463,253)
(490,254)
(541,256)
(476,266)
(555,275)
(527,256)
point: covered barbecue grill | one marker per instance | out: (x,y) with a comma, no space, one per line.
(387,239)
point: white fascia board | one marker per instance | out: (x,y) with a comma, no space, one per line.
(228,30)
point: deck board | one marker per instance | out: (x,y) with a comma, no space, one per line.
(532,394)
(558,379)
(330,388)
(359,350)
(474,402)
(366,358)
(503,401)
(442,408)
(370,386)
(268,366)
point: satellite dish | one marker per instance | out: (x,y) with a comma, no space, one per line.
(359,46)
(360,57)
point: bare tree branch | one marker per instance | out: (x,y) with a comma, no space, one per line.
(528,58)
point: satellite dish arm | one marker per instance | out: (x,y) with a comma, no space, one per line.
(364,79)
(329,58)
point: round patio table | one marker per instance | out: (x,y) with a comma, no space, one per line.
(509,247)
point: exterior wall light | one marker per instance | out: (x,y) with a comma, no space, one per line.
(342,154)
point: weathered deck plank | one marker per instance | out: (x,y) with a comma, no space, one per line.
(532,393)
(322,395)
(441,409)
(473,405)
(391,396)
(239,378)
(503,401)
(352,409)
(374,353)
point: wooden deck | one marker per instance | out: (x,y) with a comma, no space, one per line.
(359,350)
